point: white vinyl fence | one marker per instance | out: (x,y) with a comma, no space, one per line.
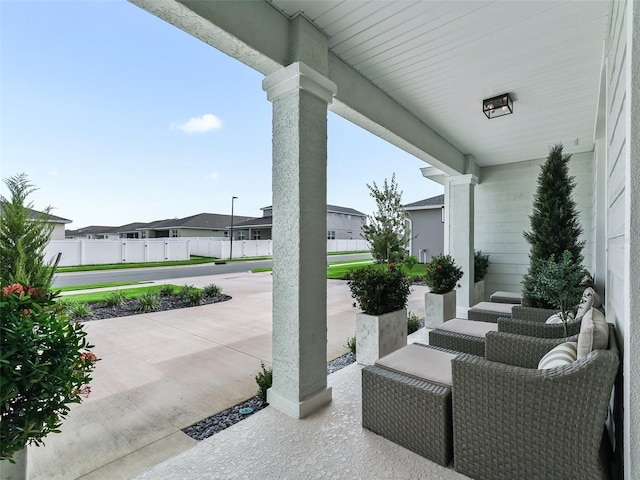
(98,252)
(219,248)
(347,245)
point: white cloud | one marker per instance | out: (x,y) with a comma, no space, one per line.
(53,173)
(205,123)
(212,176)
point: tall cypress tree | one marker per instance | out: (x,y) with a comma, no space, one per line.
(555,226)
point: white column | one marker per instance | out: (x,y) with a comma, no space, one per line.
(300,96)
(631,349)
(459,225)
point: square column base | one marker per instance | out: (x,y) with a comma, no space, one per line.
(299,409)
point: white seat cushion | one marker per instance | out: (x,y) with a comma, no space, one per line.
(468,327)
(424,363)
(494,307)
(506,297)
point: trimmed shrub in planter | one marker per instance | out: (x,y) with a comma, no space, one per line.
(379,290)
(442,274)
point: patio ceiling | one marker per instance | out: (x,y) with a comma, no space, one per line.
(439,59)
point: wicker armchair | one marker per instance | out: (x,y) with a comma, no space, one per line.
(531,321)
(515,421)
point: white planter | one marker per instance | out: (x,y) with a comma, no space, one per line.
(377,336)
(478,290)
(15,471)
(439,308)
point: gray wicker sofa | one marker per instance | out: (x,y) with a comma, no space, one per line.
(511,420)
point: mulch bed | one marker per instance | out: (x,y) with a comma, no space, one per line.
(100,310)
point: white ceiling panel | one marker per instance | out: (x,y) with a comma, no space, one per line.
(439,59)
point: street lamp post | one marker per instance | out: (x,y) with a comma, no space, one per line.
(231,233)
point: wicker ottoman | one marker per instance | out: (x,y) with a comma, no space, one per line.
(461,335)
(406,398)
(506,297)
(489,311)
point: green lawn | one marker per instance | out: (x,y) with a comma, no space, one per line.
(96,285)
(92,297)
(338,273)
(360,262)
(339,269)
(195,260)
(349,253)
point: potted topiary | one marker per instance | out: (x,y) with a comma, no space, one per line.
(480,267)
(559,284)
(381,293)
(45,365)
(441,276)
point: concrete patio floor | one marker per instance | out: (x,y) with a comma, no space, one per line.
(163,371)
(330,444)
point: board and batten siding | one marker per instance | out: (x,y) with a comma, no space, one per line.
(503,204)
(621,157)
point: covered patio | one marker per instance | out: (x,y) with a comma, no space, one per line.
(328,444)
(416,74)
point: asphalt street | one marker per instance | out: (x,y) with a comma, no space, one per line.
(166,273)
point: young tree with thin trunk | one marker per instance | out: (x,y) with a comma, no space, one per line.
(386,230)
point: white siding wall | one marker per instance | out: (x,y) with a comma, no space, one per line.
(58,232)
(503,203)
(622,152)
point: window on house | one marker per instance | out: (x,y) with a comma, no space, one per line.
(174,232)
(143,234)
(241,235)
(331,235)
(226,234)
(255,235)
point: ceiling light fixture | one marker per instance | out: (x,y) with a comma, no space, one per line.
(497,106)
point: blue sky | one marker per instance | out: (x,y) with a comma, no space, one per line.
(117,116)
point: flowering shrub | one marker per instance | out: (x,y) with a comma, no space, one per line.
(442,274)
(45,365)
(379,290)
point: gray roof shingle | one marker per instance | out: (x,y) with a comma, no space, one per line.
(427,202)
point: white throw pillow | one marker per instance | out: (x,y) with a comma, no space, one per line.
(557,319)
(594,333)
(554,319)
(563,354)
(585,304)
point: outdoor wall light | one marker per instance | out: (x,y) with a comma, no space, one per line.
(497,106)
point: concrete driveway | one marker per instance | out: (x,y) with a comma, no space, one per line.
(163,371)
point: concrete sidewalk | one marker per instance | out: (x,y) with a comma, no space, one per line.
(160,372)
